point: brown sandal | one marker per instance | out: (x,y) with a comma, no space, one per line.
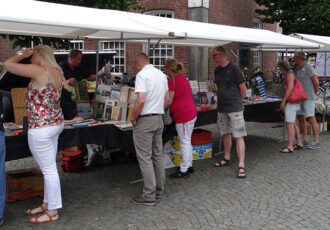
(46,221)
(226,163)
(28,212)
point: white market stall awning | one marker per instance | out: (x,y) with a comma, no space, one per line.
(323,41)
(207,34)
(34,18)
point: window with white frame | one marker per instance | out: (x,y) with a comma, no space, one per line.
(257,56)
(118,61)
(77,44)
(159,54)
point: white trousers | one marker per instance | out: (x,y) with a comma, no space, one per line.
(185,131)
(43,146)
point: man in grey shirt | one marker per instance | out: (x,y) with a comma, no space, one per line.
(231,91)
(307,75)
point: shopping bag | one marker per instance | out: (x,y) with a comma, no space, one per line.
(297,94)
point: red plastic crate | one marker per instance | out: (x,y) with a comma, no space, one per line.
(201,137)
(73,162)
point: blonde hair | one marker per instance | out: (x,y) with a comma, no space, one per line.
(48,55)
(174,65)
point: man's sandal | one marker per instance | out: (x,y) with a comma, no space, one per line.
(219,164)
(297,147)
(286,150)
(241,172)
(35,220)
(29,212)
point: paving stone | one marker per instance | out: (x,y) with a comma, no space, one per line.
(282,191)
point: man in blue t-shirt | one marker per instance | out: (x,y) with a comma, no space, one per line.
(2,166)
(231,92)
(73,70)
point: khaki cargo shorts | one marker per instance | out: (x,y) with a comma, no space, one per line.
(232,123)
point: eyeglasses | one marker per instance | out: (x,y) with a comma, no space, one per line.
(214,55)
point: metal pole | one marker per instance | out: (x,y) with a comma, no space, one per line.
(97,59)
(325,91)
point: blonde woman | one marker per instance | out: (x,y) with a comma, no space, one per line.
(184,114)
(43,96)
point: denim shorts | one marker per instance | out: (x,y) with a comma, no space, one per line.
(307,108)
(291,111)
(232,123)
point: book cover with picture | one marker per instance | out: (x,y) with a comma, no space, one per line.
(109,109)
(115,94)
(99,110)
(103,92)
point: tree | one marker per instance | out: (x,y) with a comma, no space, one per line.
(25,41)
(297,16)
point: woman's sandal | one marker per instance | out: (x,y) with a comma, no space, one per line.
(241,172)
(35,220)
(286,150)
(218,164)
(28,212)
(297,147)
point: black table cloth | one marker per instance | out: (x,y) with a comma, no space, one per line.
(108,134)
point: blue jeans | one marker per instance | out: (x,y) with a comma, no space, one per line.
(2,174)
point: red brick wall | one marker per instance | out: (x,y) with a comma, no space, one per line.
(5,49)
(180,9)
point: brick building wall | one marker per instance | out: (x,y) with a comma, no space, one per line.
(5,49)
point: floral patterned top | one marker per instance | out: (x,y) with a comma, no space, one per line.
(43,105)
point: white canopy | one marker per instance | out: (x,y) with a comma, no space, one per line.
(323,41)
(27,17)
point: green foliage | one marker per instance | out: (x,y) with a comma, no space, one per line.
(297,16)
(58,43)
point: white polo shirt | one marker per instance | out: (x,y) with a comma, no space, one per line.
(153,82)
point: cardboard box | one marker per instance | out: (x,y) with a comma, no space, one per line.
(18,97)
(24,184)
(173,157)
(19,113)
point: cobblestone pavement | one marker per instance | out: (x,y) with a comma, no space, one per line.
(282,191)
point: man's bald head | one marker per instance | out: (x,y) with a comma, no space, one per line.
(141,60)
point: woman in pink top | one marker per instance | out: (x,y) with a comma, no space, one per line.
(184,114)
(46,122)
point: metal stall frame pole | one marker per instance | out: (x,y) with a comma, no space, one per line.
(97,59)
(325,92)
(284,123)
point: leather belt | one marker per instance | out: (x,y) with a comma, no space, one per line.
(149,115)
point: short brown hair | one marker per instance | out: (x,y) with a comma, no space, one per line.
(300,55)
(74,53)
(220,49)
(284,65)
(141,57)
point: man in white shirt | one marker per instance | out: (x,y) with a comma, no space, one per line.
(152,96)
